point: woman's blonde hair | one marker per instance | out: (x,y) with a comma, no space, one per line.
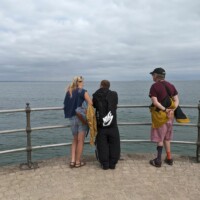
(74,84)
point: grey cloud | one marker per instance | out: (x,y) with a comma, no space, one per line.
(120,40)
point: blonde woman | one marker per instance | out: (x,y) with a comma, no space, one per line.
(75,96)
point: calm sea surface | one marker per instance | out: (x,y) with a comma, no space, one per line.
(15,95)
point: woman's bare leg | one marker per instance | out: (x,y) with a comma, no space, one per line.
(79,147)
(73,148)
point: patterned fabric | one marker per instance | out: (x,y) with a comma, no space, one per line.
(92,123)
(165,132)
(159,117)
(77,126)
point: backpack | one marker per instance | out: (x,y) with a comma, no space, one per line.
(105,114)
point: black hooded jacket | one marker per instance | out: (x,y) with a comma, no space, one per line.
(105,100)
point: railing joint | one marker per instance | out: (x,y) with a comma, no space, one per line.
(29,166)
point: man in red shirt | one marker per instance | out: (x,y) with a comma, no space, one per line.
(162,124)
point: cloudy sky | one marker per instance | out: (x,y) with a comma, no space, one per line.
(52,40)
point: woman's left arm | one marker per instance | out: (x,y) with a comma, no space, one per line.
(87,98)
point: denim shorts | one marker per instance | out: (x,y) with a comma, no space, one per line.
(77,126)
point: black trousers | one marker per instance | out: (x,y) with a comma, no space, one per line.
(108,146)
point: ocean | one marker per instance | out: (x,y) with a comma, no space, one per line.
(15,95)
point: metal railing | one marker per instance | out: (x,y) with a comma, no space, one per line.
(28,130)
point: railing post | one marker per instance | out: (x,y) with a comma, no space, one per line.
(29,163)
(198,137)
(28,132)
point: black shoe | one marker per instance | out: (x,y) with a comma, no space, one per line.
(155,162)
(112,166)
(104,167)
(169,161)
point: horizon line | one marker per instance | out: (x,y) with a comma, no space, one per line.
(91,80)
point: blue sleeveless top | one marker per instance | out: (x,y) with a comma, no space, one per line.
(73,102)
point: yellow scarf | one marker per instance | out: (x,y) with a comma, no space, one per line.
(92,123)
(160,117)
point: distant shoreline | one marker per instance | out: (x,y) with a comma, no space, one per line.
(96,81)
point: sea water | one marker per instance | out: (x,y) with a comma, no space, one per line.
(15,95)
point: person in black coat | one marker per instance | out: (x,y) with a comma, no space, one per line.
(108,140)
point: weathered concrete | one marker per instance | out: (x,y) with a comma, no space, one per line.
(133,178)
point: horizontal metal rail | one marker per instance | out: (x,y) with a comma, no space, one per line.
(148,123)
(12,131)
(87,142)
(68,126)
(35,129)
(13,150)
(36,147)
(147,106)
(12,111)
(48,108)
(149,141)
(61,108)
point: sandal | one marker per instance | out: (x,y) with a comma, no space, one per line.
(79,164)
(72,164)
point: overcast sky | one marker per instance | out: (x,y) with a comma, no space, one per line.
(52,40)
